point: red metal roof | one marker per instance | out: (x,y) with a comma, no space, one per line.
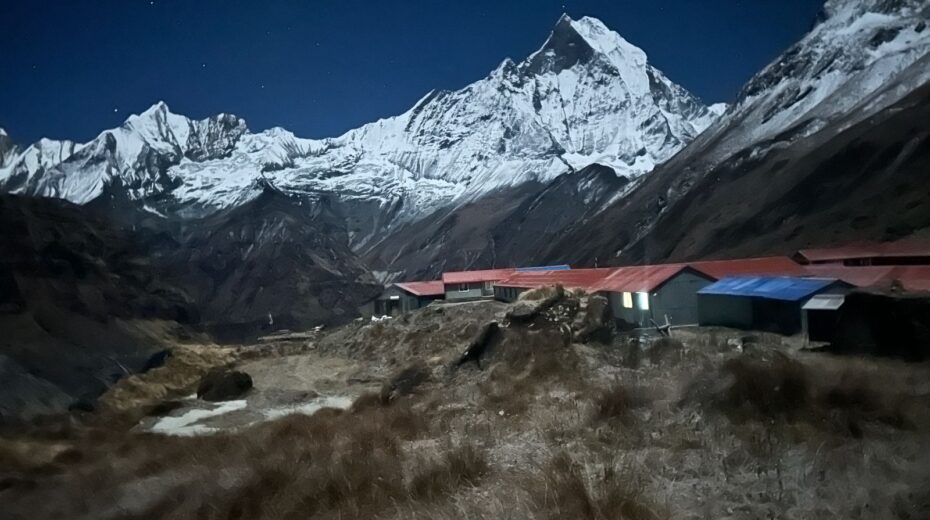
(913,278)
(584,279)
(770,265)
(640,278)
(909,278)
(907,247)
(432,288)
(864,276)
(489,275)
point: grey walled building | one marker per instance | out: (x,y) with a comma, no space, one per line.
(639,295)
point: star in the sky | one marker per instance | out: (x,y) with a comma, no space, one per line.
(115,110)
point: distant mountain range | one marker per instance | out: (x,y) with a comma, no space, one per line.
(582,152)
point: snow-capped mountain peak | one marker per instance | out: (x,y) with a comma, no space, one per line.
(852,51)
(586,96)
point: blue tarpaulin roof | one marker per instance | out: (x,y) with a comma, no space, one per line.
(772,287)
(544,268)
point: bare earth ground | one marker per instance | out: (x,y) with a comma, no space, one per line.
(700,426)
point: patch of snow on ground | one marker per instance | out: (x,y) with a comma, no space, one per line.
(186,425)
(309,408)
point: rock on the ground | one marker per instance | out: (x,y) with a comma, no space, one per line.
(594,322)
(478,345)
(223,385)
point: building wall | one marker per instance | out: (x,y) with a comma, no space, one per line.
(677,299)
(394,301)
(724,311)
(777,316)
(507,294)
(474,291)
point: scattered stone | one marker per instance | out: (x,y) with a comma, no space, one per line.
(223,385)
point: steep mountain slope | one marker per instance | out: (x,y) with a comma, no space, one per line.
(507,228)
(273,263)
(84,301)
(80,304)
(831,102)
(7,148)
(587,96)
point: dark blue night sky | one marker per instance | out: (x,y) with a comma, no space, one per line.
(70,69)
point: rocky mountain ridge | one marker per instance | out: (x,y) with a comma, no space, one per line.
(586,96)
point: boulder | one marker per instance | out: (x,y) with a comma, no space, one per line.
(224,385)
(594,323)
(479,344)
(528,309)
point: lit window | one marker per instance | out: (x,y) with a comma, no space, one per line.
(642,300)
(627,300)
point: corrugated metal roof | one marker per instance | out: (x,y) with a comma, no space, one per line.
(864,276)
(487,275)
(563,267)
(571,279)
(824,302)
(784,288)
(431,288)
(769,265)
(910,278)
(913,278)
(907,247)
(641,278)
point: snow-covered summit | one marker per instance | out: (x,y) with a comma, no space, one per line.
(586,96)
(856,50)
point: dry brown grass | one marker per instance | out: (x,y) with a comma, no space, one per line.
(838,395)
(615,402)
(772,387)
(566,489)
(332,464)
(763,435)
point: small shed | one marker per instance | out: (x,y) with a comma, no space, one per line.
(821,317)
(765,303)
(639,295)
(407,296)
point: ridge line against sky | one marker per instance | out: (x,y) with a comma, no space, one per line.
(317,68)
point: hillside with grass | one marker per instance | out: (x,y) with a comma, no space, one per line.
(548,416)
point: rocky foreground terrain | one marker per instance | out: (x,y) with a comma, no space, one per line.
(548,416)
